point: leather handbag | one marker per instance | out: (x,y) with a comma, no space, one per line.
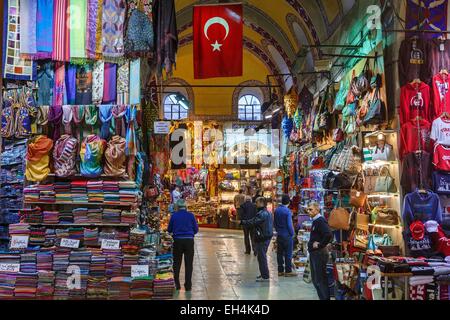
(362,221)
(385,183)
(339,101)
(361,239)
(390,251)
(375,113)
(385,216)
(339,219)
(357,198)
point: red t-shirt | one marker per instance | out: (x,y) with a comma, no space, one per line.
(415,101)
(441,94)
(409,137)
(441,157)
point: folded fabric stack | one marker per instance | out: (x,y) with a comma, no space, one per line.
(44,261)
(128,261)
(119,288)
(112,198)
(94,215)
(80,215)
(111,216)
(90,237)
(76,233)
(37,236)
(19,229)
(25,286)
(142,288)
(79,191)
(7,285)
(65,217)
(60,261)
(165,263)
(123,237)
(31,193)
(97,288)
(137,237)
(28,263)
(62,190)
(61,289)
(128,191)
(50,217)
(163,286)
(130,249)
(98,264)
(60,234)
(4,233)
(45,287)
(128,217)
(50,237)
(31,215)
(113,263)
(95,191)
(111,186)
(82,260)
(47,193)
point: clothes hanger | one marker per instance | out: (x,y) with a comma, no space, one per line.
(416,81)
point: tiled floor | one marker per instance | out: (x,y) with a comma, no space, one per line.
(223,271)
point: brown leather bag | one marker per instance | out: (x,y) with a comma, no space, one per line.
(339,219)
(387,216)
(362,221)
(357,198)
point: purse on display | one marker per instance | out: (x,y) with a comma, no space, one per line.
(362,221)
(339,218)
(383,154)
(376,112)
(385,183)
(360,239)
(385,216)
(350,127)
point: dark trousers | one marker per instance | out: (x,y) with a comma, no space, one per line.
(183,247)
(284,254)
(261,252)
(318,261)
(249,239)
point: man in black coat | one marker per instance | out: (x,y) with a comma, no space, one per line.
(248,211)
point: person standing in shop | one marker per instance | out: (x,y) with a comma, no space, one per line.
(183,227)
(239,199)
(320,237)
(263,226)
(248,211)
(257,195)
(285,237)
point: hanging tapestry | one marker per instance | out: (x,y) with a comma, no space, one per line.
(113,24)
(61,40)
(426,15)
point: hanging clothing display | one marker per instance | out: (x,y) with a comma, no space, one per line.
(416,171)
(55,115)
(123,83)
(415,135)
(415,102)
(115,157)
(91,153)
(61,35)
(44,29)
(105,112)
(37,167)
(28,11)
(67,119)
(423,207)
(77,15)
(441,157)
(440,131)
(441,94)
(93,37)
(118,112)
(84,84)
(59,84)
(135,82)
(97,82)
(139,37)
(64,154)
(45,83)
(113,19)
(414,61)
(110,83)
(439,55)
(71,83)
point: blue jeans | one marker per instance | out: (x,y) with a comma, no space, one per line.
(284,254)
(261,252)
(318,260)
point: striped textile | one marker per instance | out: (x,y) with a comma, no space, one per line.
(61,40)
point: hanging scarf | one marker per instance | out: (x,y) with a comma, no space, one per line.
(123,87)
(99,31)
(91,154)
(70,82)
(44,29)
(130,116)
(135,82)
(37,167)
(118,112)
(55,118)
(8,117)
(28,11)
(97,82)
(113,20)
(91,115)
(67,119)
(105,118)
(109,83)
(42,115)
(84,84)
(64,155)
(78,116)
(45,84)
(166,35)
(115,157)
(59,84)
(78,9)
(93,8)
(61,37)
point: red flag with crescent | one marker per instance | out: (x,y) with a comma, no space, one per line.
(218,33)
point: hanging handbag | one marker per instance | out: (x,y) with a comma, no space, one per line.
(360,239)
(357,198)
(362,221)
(385,183)
(384,154)
(376,112)
(352,160)
(385,216)
(349,110)
(350,96)
(350,127)
(376,79)
(339,218)
(368,153)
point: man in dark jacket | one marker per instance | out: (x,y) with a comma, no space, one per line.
(263,224)
(183,227)
(285,237)
(319,239)
(248,211)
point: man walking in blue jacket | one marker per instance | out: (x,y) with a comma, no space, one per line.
(285,234)
(183,227)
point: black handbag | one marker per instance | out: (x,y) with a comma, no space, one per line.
(375,113)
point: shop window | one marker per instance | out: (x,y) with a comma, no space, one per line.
(173,109)
(249,108)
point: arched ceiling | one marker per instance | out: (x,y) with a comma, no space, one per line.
(279,27)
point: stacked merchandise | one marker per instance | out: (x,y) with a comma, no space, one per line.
(128,261)
(123,236)
(47,193)
(46,283)
(65,217)
(80,215)
(113,262)
(61,291)
(25,286)
(50,217)
(119,288)
(62,190)
(129,217)
(31,215)
(76,233)
(142,288)
(8,283)
(81,260)
(163,286)
(127,191)
(37,236)
(137,237)
(44,261)
(19,229)
(94,215)
(111,192)
(61,234)
(50,237)
(97,288)
(79,191)
(28,263)
(95,191)
(31,193)
(90,237)
(111,216)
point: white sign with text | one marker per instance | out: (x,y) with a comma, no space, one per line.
(10,267)
(19,242)
(70,243)
(110,244)
(161,127)
(139,271)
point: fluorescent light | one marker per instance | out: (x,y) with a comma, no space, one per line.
(183,105)
(276,110)
(269,116)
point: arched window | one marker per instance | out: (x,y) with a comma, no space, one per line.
(173,109)
(249,108)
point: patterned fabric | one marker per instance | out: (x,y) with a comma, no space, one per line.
(97,82)
(123,88)
(139,35)
(135,82)
(141,5)
(77,16)
(113,26)
(426,15)
(84,84)
(55,118)
(14,67)
(70,81)
(61,40)
(78,117)
(110,83)
(8,116)
(59,84)
(105,117)
(130,117)
(115,157)
(166,35)
(91,115)
(42,115)
(67,119)
(38,150)
(93,10)
(91,154)
(118,112)
(44,29)
(45,84)
(28,11)
(64,155)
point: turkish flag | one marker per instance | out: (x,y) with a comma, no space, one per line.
(218,34)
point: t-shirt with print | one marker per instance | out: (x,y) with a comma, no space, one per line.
(441,157)
(441,94)
(440,131)
(445,202)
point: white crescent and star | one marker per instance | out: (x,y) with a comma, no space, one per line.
(216,46)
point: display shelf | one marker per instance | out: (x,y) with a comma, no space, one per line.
(79,176)
(80,203)
(379,163)
(82,224)
(383,195)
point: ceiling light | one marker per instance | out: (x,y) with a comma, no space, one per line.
(269,116)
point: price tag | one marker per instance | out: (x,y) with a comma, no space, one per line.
(442,47)
(10,267)
(70,243)
(110,244)
(139,271)
(19,242)
(161,127)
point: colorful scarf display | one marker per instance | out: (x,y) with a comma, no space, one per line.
(113,19)
(64,155)
(67,119)
(59,84)
(123,79)
(115,157)
(78,10)
(55,118)
(110,83)
(91,153)
(44,29)
(118,112)
(37,168)
(130,116)
(61,39)
(91,115)
(28,11)
(42,116)
(46,84)
(93,21)
(105,118)
(135,81)
(70,81)
(97,82)
(78,117)
(14,67)
(84,84)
